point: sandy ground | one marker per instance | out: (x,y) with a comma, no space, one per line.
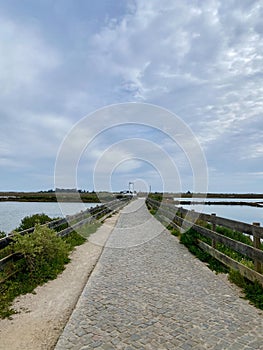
(42,316)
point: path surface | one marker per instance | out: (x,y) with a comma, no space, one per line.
(151,293)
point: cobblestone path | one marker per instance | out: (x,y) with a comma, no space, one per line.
(148,292)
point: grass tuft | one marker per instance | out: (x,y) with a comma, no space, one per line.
(253,290)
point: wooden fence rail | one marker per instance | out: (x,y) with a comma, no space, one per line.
(185,219)
(212,218)
(92,212)
(88,216)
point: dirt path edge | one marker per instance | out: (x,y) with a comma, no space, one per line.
(42,316)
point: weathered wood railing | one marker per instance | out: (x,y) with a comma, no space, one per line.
(184,219)
(74,221)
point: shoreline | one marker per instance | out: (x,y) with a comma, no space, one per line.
(93,197)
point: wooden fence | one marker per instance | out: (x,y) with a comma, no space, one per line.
(184,219)
(74,221)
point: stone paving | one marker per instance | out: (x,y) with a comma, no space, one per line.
(148,292)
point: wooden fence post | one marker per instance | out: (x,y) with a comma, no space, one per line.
(256,243)
(192,215)
(213,219)
(180,212)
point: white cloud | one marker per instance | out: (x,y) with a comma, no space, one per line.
(202,60)
(24,57)
(254,151)
(174,49)
(33,144)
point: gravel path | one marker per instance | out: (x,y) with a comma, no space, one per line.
(148,292)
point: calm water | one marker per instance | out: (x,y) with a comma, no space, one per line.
(235,212)
(11,213)
(253,200)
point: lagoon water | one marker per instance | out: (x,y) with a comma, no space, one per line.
(242,213)
(11,213)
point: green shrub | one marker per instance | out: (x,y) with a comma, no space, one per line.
(73,240)
(254,293)
(174,231)
(44,253)
(30,221)
(157,196)
(253,290)
(237,236)
(237,278)
(153,211)
(61,227)
(44,257)
(5,251)
(2,234)
(190,240)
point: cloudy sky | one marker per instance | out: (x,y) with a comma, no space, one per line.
(62,60)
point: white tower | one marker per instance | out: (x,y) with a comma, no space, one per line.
(131,187)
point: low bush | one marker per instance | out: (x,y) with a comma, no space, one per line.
(44,257)
(174,231)
(237,236)
(190,240)
(30,221)
(44,253)
(73,239)
(157,196)
(253,290)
